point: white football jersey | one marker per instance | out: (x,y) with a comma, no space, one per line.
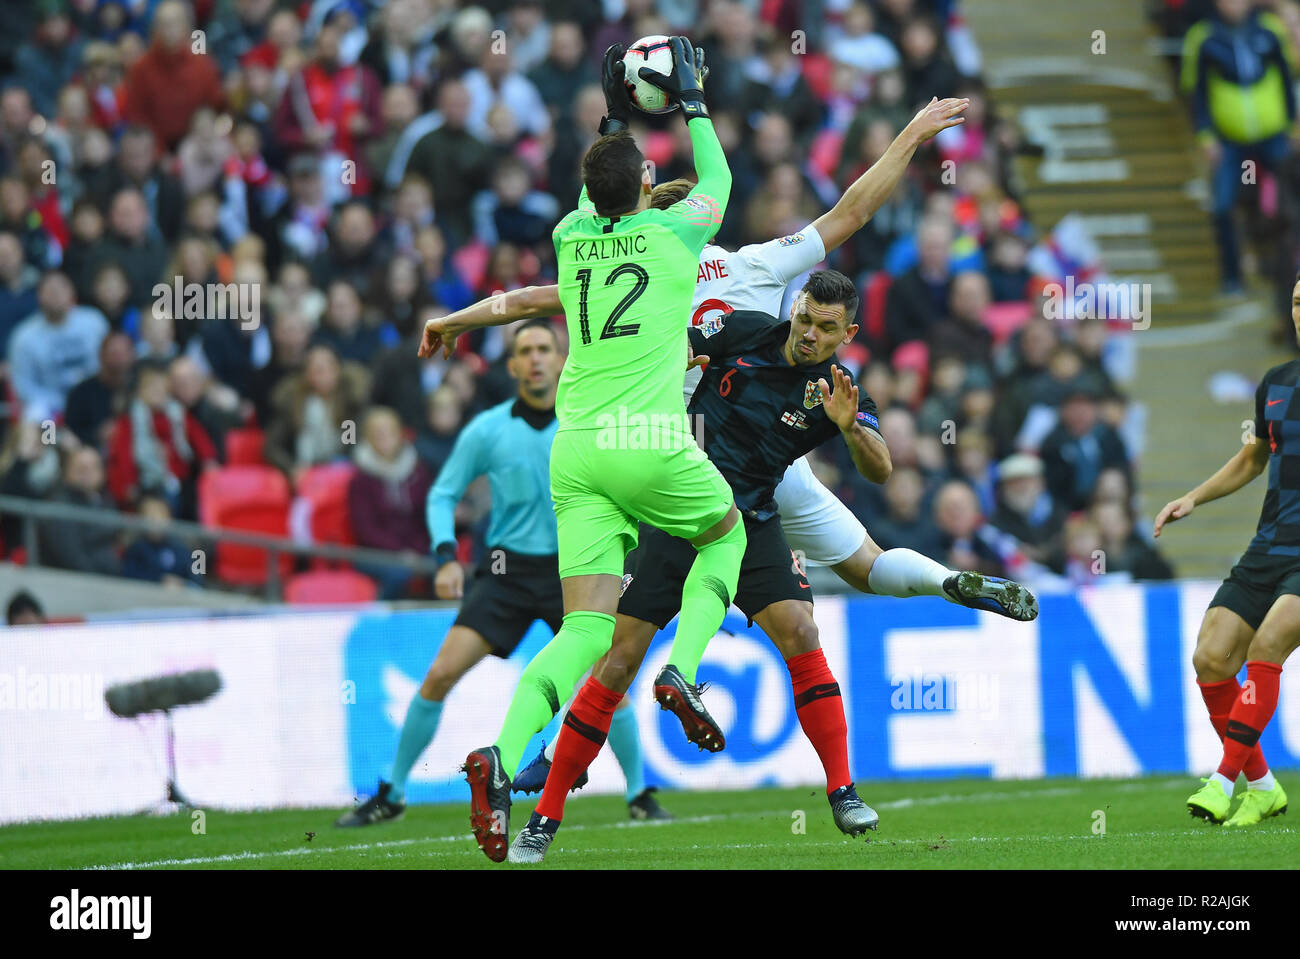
(752,278)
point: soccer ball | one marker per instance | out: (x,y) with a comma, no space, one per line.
(655,53)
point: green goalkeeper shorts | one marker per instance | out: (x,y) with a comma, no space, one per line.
(602,490)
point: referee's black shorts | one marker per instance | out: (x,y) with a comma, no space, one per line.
(509,591)
(1255,583)
(658,568)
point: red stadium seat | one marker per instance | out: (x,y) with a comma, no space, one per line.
(824,154)
(326,489)
(244,447)
(250,498)
(874,298)
(330,586)
(1003,319)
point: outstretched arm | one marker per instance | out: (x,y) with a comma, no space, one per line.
(869,191)
(1248,463)
(499,309)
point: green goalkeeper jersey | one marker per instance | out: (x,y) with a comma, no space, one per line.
(626,283)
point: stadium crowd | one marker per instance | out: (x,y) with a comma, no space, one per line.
(365,166)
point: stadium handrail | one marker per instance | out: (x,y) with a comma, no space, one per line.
(31,510)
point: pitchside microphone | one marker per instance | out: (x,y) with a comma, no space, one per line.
(162,693)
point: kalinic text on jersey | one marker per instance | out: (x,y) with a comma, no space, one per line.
(626,283)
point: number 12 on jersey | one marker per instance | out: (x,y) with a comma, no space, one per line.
(640,280)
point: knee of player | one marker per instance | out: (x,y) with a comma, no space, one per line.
(1212,664)
(438,682)
(803,636)
(615,673)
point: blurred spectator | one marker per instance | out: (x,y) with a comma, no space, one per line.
(333,108)
(158,446)
(919,298)
(217,408)
(966,541)
(402,380)
(237,27)
(401,298)
(342,329)
(1126,551)
(386,498)
(96,400)
(1237,70)
(513,212)
(927,67)
(564,72)
(1081,560)
(52,59)
(400,50)
(110,293)
(87,250)
(1025,510)
(454,161)
(859,46)
(18,282)
(297,230)
(70,544)
(445,416)
(312,411)
(137,166)
(133,246)
(964,331)
(54,349)
(170,81)
(905,524)
(155,556)
(1008,273)
(355,252)
(1078,449)
(24,610)
(777,85)
(290,337)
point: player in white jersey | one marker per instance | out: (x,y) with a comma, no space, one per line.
(817,525)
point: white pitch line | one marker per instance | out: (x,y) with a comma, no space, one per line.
(941,799)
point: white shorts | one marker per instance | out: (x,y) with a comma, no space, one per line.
(816,523)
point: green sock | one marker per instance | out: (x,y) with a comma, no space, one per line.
(417,732)
(706,594)
(548,681)
(625,739)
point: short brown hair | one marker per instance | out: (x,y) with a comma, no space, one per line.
(611,172)
(666,194)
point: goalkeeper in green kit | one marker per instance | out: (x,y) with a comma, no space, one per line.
(623,452)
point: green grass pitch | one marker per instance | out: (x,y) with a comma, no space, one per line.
(962,824)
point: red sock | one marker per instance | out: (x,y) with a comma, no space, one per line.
(820,709)
(1219,698)
(583,733)
(1248,719)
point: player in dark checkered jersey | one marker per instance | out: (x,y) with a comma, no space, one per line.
(770,394)
(1254,618)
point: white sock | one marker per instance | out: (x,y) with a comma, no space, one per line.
(1223,781)
(905,572)
(549,751)
(1264,782)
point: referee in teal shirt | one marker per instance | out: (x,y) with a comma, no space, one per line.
(518,579)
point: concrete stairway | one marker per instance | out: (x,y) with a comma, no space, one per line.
(1120,151)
